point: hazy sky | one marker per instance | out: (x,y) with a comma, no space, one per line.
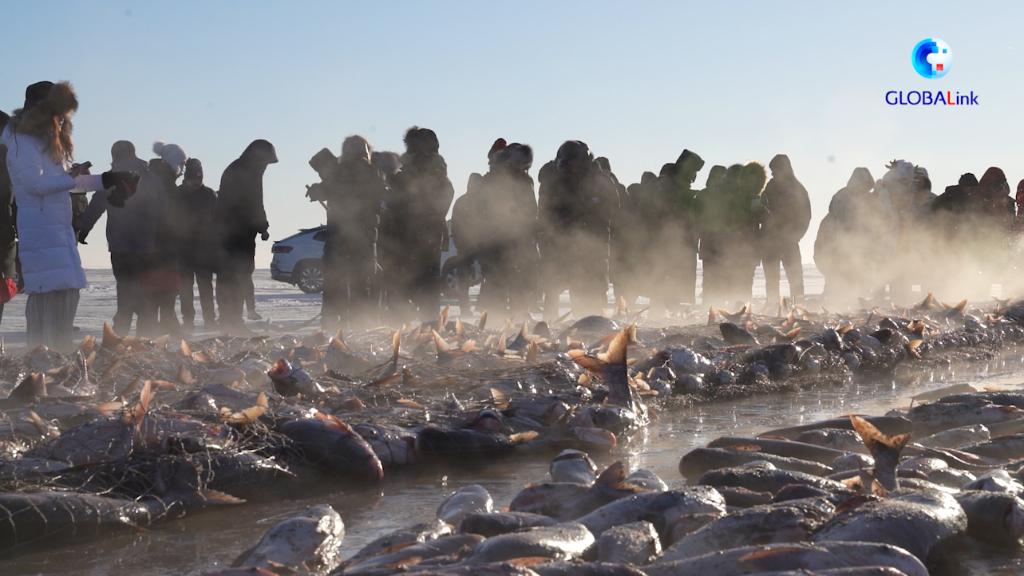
(638,81)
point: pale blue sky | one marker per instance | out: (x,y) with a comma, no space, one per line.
(638,81)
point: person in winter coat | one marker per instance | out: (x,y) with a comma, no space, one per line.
(193,210)
(743,187)
(39,155)
(239,218)
(633,238)
(712,221)
(354,191)
(130,236)
(8,232)
(576,202)
(508,250)
(415,226)
(787,215)
(618,259)
(468,231)
(846,244)
(161,282)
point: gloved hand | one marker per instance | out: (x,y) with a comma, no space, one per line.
(81,237)
(123,185)
(264,236)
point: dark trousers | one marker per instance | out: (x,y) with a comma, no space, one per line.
(232,285)
(509,281)
(788,253)
(348,275)
(425,284)
(128,270)
(250,292)
(203,279)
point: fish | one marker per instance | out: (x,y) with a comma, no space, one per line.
(733,334)
(884,449)
(790,521)
(569,501)
(394,446)
(787,448)
(939,416)
(573,466)
(646,480)
(332,446)
(409,556)
(472,499)
(245,474)
(42,518)
(913,521)
(292,380)
(614,373)
(340,359)
(736,497)
(31,388)
(846,440)
(795,556)
(887,424)
(634,543)
(765,477)
(700,460)
(494,523)
(560,542)
(309,541)
(1000,449)
(588,328)
(401,538)
(957,437)
(663,509)
(993,517)
(997,480)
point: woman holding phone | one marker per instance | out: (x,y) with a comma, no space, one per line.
(39,160)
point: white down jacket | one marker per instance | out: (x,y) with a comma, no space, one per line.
(47,246)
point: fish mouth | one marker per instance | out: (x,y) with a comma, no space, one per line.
(279,369)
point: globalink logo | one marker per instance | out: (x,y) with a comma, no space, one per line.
(931,58)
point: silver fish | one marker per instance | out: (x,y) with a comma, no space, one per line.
(914,521)
(790,521)
(308,541)
(561,542)
(472,499)
(792,556)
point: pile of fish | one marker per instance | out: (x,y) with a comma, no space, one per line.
(909,493)
(126,432)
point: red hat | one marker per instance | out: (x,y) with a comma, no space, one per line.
(498,146)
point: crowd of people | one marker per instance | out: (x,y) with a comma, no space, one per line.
(579,229)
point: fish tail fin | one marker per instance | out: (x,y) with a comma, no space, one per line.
(31,387)
(913,347)
(396,346)
(532,352)
(442,318)
(483,321)
(884,449)
(110,338)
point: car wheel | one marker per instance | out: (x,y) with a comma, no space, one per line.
(310,278)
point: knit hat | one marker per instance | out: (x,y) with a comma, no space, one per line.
(194,168)
(172,154)
(36,93)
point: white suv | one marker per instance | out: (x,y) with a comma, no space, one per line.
(298,260)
